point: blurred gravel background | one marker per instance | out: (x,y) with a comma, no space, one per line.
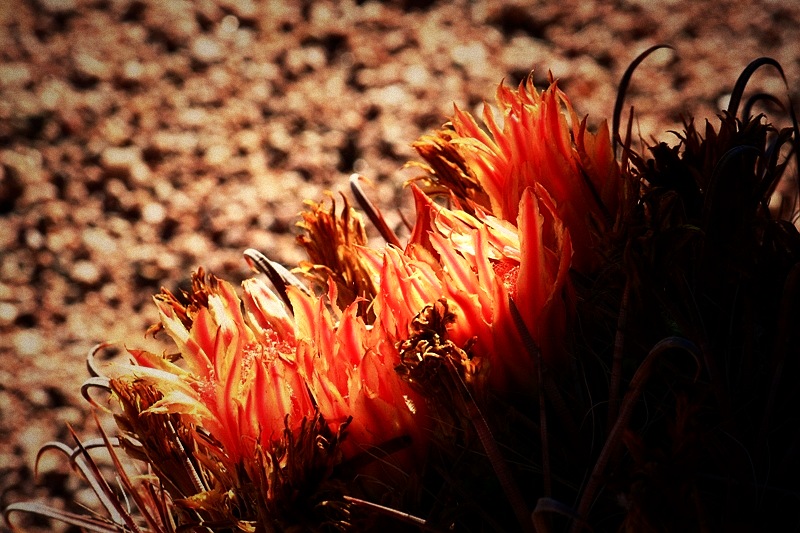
(140,139)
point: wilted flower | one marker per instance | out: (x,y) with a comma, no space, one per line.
(333,244)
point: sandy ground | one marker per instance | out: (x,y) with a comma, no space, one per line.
(142,139)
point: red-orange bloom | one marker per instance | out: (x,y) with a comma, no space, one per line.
(478,264)
(249,364)
(538,144)
(349,367)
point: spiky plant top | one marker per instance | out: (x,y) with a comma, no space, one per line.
(567,340)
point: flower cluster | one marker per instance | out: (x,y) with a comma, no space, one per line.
(541,279)
(251,371)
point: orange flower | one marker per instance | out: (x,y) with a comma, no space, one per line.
(232,355)
(535,145)
(249,366)
(349,367)
(479,263)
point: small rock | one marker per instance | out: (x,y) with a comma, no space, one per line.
(257,163)
(91,67)
(15,74)
(27,163)
(140,173)
(99,242)
(217,154)
(61,239)
(249,141)
(192,244)
(110,291)
(280,138)
(41,193)
(58,7)
(70,415)
(207,50)
(471,56)
(33,434)
(126,161)
(132,71)
(168,261)
(28,342)
(300,59)
(228,26)
(176,18)
(153,213)
(87,498)
(34,239)
(116,130)
(168,142)
(85,272)
(120,159)
(244,9)
(524,54)
(38,397)
(192,117)
(8,313)
(392,96)
(416,75)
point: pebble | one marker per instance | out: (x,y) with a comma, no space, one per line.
(91,67)
(38,194)
(58,7)
(15,74)
(99,242)
(115,158)
(126,161)
(53,93)
(61,239)
(298,59)
(34,433)
(8,236)
(180,142)
(28,342)
(393,96)
(244,9)
(85,272)
(248,140)
(8,313)
(217,154)
(192,244)
(228,26)
(472,56)
(116,130)
(416,75)
(206,49)
(38,397)
(153,213)
(132,71)
(26,162)
(193,117)
(88,498)
(34,239)
(175,18)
